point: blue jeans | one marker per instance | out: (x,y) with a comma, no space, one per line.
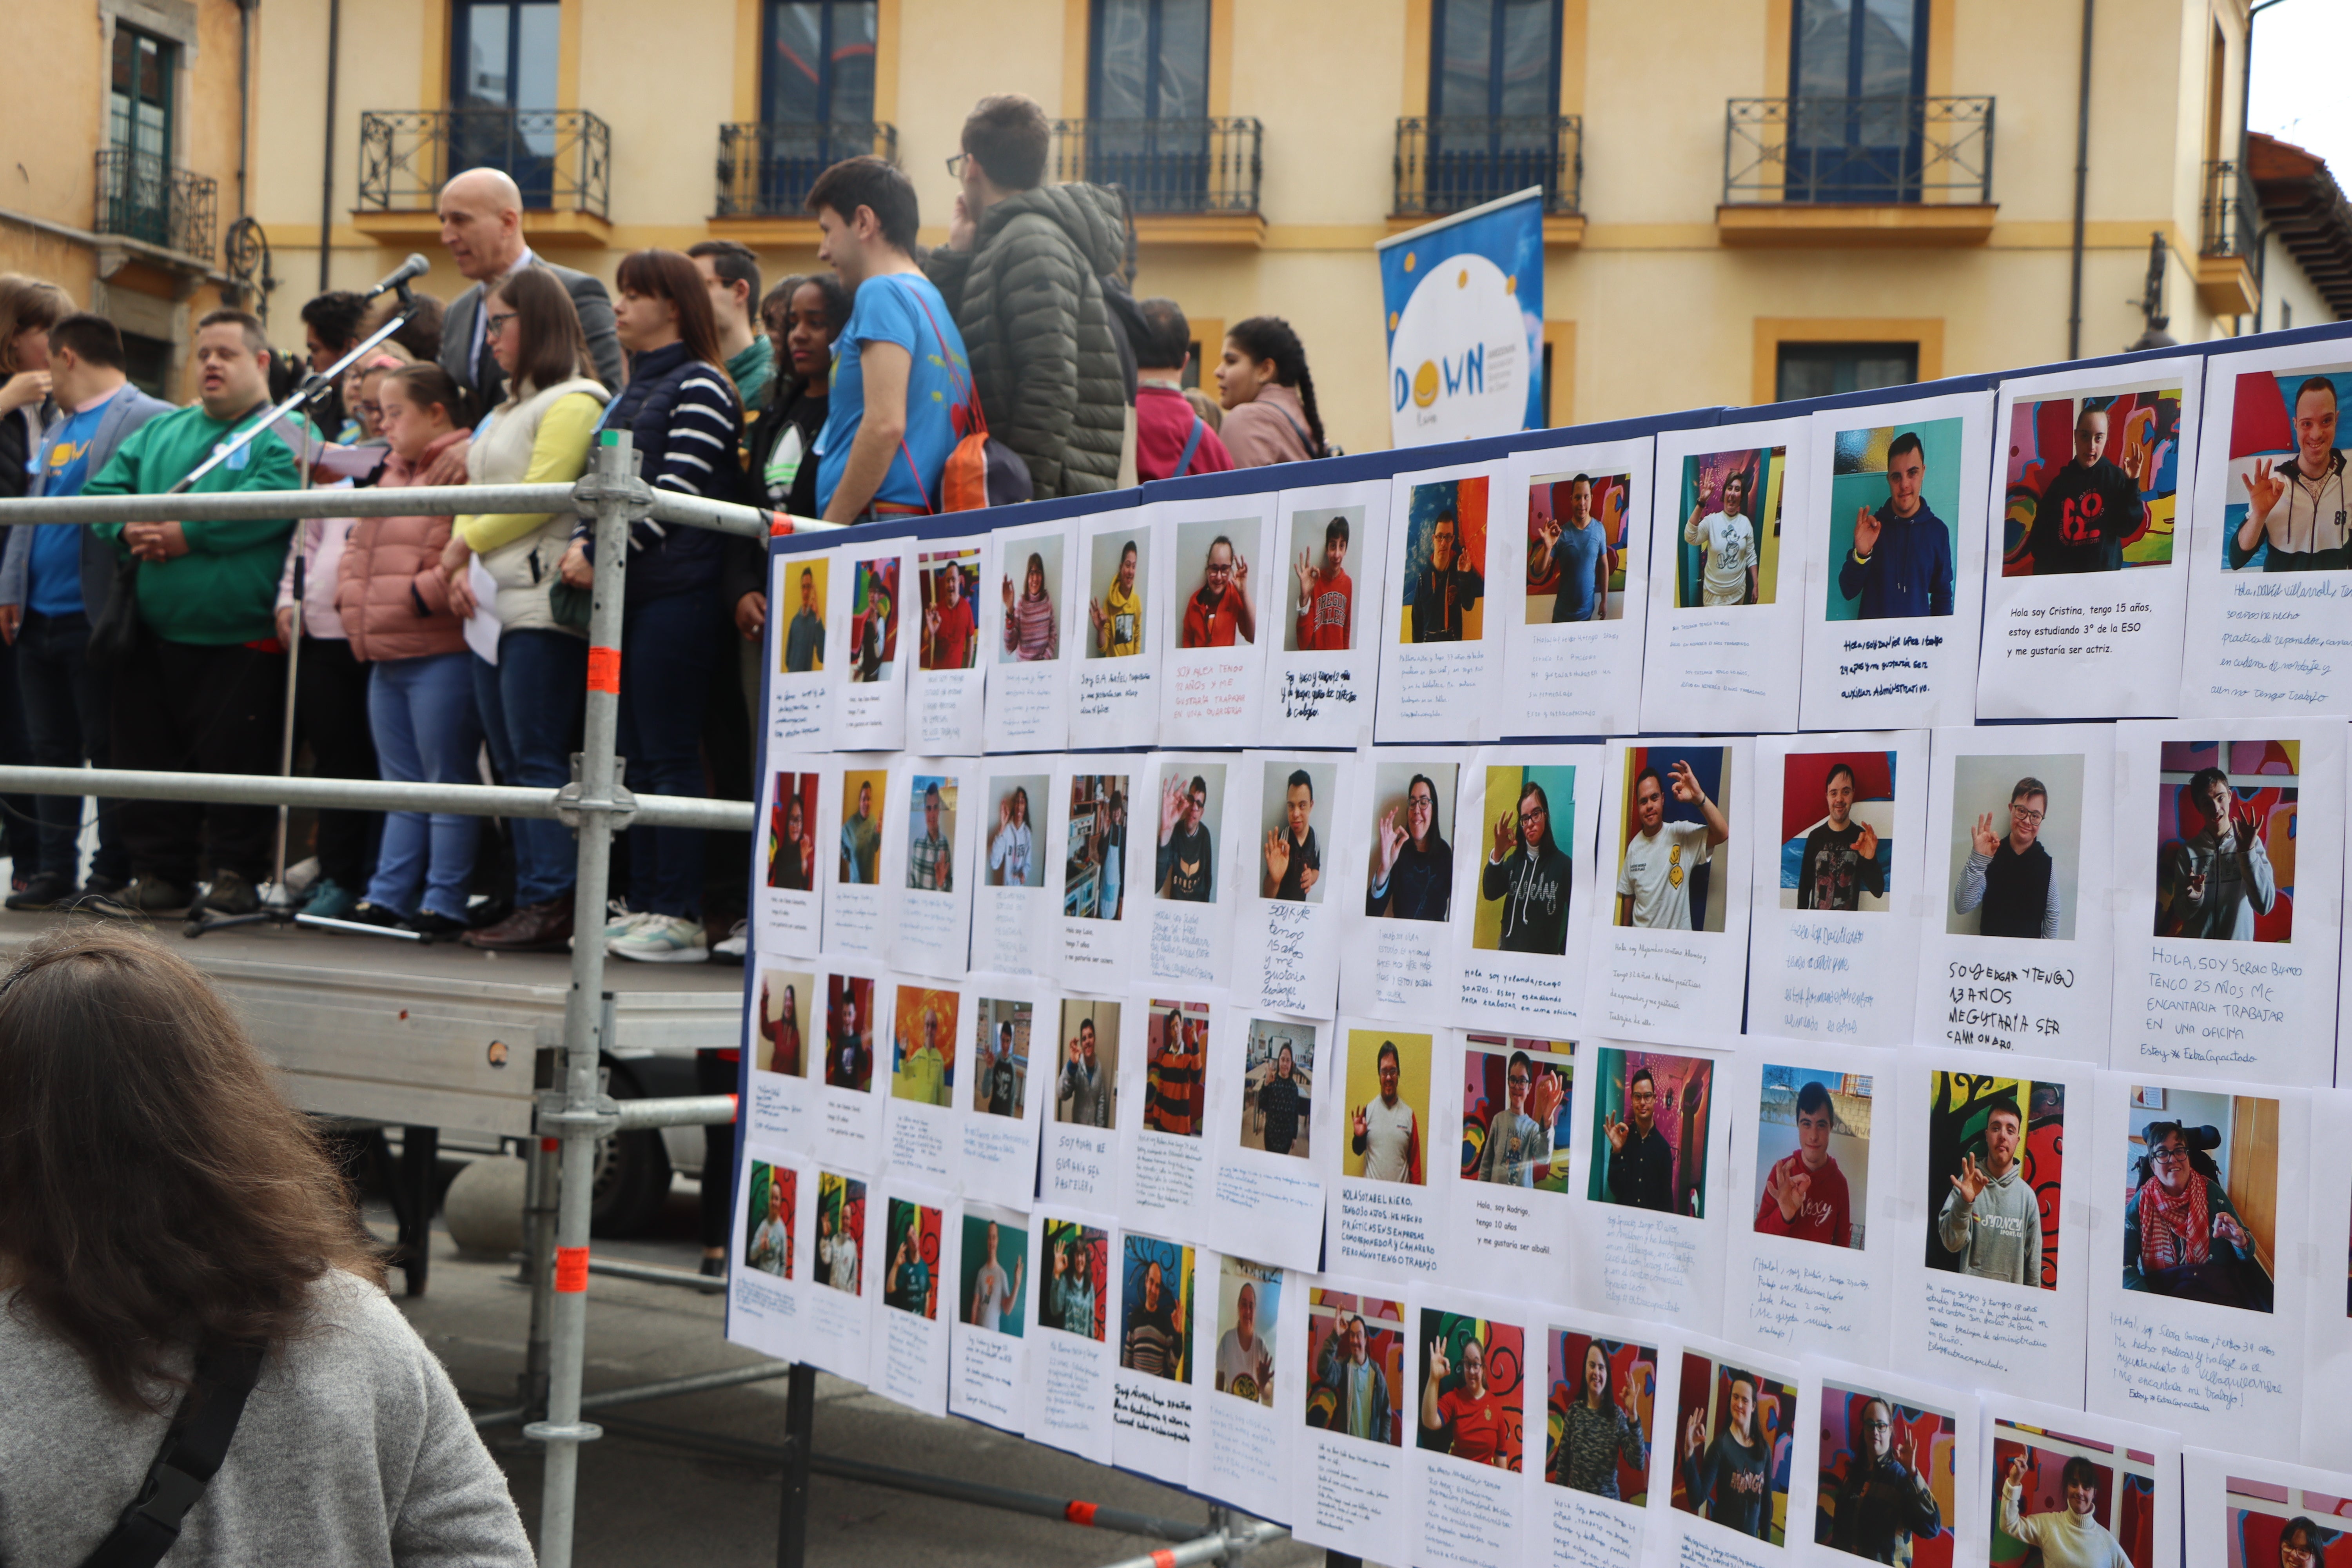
(65,707)
(665,653)
(531,702)
(422,711)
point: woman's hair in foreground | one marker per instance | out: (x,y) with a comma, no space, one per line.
(156,1192)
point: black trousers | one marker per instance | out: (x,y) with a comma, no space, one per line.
(196,708)
(66,708)
(330,713)
(714,1075)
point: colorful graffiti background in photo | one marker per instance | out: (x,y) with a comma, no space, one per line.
(1383,1349)
(1631,1367)
(1706,1391)
(2142,427)
(1843,1442)
(2271,802)
(1956,1124)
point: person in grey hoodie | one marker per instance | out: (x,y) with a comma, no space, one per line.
(2214,884)
(1992,1218)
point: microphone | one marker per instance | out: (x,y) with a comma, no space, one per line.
(415,267)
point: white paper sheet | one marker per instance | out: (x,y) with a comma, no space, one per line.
(1023,824)
(788,872)
(800,694)
(947,675)
(2087,564)
(784,1039)
(1524,879)
(1382,1216)
(1599,1508)
(1507,1103)
(1891,639)
(922,1230)
(1265,1198)
(1287,880)
(1834,953)
(1190,823)
(1647,1206)
(1470,1355)
(1355,1491)
(1216,602)
(1929,1439)
(1755,1461)
(1440,642)
(844,1278)
(1156,1391)
(1072,1254)
(1250,1384)
(482,627)
(2236,1510)
(1570,546)
(1166,1161)
(1397,840)
(2228,905)
(1028,707)
(850,1082)
(1115,684)
(2327,1350)
(2042,994)
(2134,1476)
(1322,673)
(1100,869)
(988,1345)
(768,1276)
(928,863)
(1004,1097)
(927,1065)
(858,814)
(873,637)
(1726,584)
(1079,1100)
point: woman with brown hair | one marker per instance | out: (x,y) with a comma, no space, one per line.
(167,1219)
(28,309)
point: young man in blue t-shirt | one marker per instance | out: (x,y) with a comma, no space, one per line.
(898,370)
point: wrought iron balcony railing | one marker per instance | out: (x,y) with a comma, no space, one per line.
(1895,148)
(2230,210)
(142,196)
(561,159)
(765,171)
(1165,165)
(1448,163)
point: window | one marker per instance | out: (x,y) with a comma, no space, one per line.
(1855,65)
(819,62)
(502,57)
(1149,60)
(1494,58)
(1816,370)
(148,363)
(137,190)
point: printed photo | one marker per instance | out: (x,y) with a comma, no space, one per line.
(1249,1307)
(1076,1267)
(2092,482)
(922,1044)
(2287,1526)
(1515,1111)
(1014,857)
(791,834)
(2057,1498)
(873,620)
(1322,618)
(1295,821)
(1893,496)
(1000,1062)
(1444,571)
(1886,1479)
(1473,1372)
(1085,1091)
(2285,509)
(2016,845)
(786,996)
(1279,1086)
(1388,1096)
(1213,572)
(769,1204)
(930,833)
(1116,576)
(911,1231)
(1155,1332)
(1356,1344)
(1575,547)
(1175,1073)
(1411,874)
(1670,837)
(1649,1112)
(951,583)
(1837,830)
(862,790)
(1095,853)
(2200,1199)
(1522,889)
(1735,1435)
(1031,588)
(1730,550)
(840,1227)
(995,1265)
(2225,818)
(849,1032)
(1185,870)
(1813,1155)
(1599,1414)
(1994,1174)
(804,639)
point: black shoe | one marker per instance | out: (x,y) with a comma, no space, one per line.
(102,885)
(45,890)
(436,926)
(714,1267)
(229,895)
(145,895)
(372,914)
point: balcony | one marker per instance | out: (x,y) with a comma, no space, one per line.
(2228,251)
(141,198)
(766,172)
(561,159)
(1893,170)
(1450,164)
(1188,182)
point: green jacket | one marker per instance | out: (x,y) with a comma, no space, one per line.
(1028,297)
(224,591)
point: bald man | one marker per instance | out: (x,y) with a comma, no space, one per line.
(481,228)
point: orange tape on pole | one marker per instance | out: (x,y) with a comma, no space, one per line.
(571,1269)
(605,670)
(1164,1558)
(1079,1512)
(780,523)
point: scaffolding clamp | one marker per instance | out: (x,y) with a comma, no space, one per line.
(631,491)
(554,1117)
(619,807)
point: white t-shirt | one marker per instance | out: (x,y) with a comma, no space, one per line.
(1388,1141)
(994,1287)
(841,1254)
(1657,870)
(1731,551)
(1237,1369)
(771,1247)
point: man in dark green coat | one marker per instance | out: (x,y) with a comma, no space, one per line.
(1023,272)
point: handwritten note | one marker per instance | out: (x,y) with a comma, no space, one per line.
(1469,1514)
(1079,1164)
(2170,1368)
(1307,694)
(1647,1263)
(1405,967)
(1980,1330)
(1814,1305)
(1183,942)
(1587,1532)
(1383,1229)
(1026,710)
(1654,981)
(1435,687)
(920,1138)
(1166,1180)
(988,1368)
(2006,1006)
(2285,643)
(1357,1496)
(853,919)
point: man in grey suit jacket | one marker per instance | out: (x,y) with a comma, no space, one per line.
(481,225)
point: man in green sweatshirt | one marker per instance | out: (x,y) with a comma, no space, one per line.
(204,690)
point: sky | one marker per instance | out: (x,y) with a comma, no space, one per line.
(2298,93)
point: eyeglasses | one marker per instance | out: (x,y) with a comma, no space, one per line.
(2170,1152)
(1519,1080)
(2031,818)
(956,164)
(493,325)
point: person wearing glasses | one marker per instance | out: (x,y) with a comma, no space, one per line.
(1187,871)
(2182,1236)
(1442,593)
(1412,877)
(1469,1420)
(1528,873)
(2012,880)
(2302,1541)
(1219,610)
(1518,1139)
(1884,1505)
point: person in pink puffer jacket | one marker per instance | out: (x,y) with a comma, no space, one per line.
(395,606)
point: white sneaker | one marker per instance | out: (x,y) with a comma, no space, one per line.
(737,945)
(621,922)
(661,939)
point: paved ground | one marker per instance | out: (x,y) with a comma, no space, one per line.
(648,1504)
